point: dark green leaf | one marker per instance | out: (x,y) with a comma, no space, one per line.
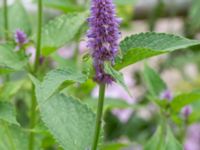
(55,79)
(70,122)
(144,45)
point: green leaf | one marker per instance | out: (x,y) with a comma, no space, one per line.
(156,142)
(126,2)
(7,113)
(63,5)
(10,59)
(55,79)
(163,141)
(154,83)
(70,122)
(61,30)
(193,19)
(171,141)
(17,19)
(9,89)
(184,99)
(113,146)
(144,45)
(12,137)
(118,76)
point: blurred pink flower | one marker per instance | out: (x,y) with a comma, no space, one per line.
(123,114)
(83,47)
(66,52)
(31,52)
(192,141)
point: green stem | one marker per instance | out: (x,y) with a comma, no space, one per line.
(6,29)
(33,119)
(99,116)
(5,19)
(39,31)
(35,69)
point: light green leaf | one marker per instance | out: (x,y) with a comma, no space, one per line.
(171,141)
(193,19)
(7,113)
(63,5)
(184,99)
(144,45)
(70,122)
(9,89)
(113,146)
(12,137)
(10,59)
(17,19)
(55,79)
(156,142)
(61,30)
(118,76)
(154,83)
(126,2)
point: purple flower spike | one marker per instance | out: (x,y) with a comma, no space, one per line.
(20,38)
(167,94)
(186,111)
(103,37)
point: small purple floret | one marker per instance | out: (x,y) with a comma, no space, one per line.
(103,37)
(20,38)
(167,94)
(186,111)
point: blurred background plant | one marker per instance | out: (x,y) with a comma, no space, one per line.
(169,90)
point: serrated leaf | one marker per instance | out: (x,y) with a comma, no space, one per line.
(144,45)
(20,22)
(12,137)
(154,83)
(7,113)
(55,79)
(74,121)
(184,99)
(61,30)
(10,59)
(73,124)
(156,142)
